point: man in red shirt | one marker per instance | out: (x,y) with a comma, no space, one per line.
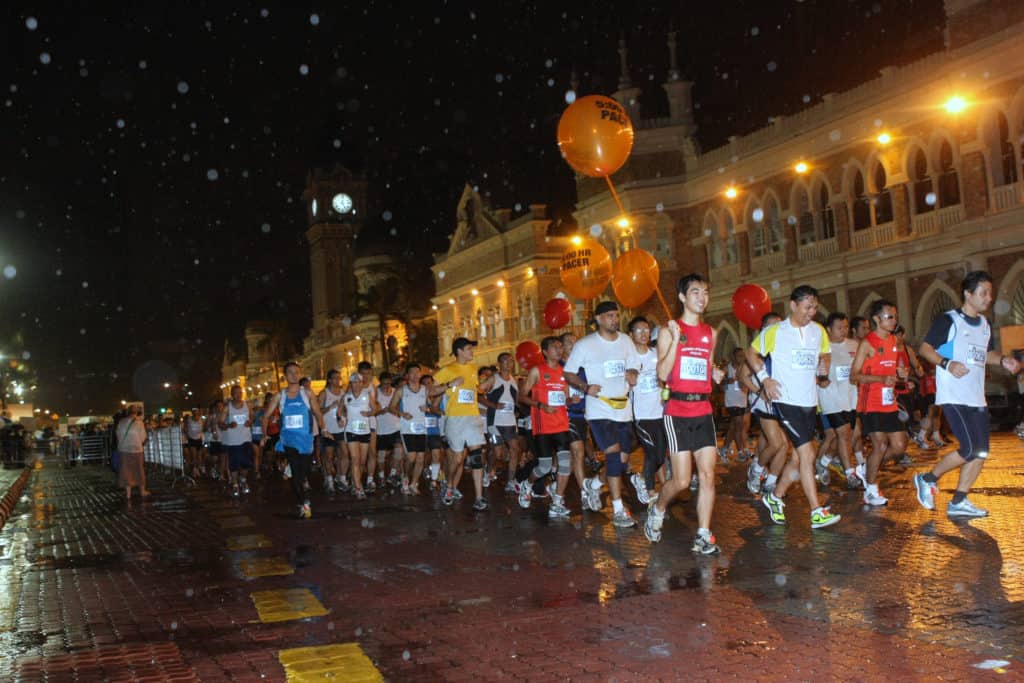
(684,364)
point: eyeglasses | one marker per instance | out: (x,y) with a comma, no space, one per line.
(887,316)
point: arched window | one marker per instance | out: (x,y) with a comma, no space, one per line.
(1002,159)
(776,234)
(827,221)
(940,304)
(1006,154)
(860,203)
(949,181)
(882,199)
(499,323)
(804,217)
(716,252)
(732,248)
(757,230)
(1017,306)
(922,182)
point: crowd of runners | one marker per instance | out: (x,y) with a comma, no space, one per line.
(840,397)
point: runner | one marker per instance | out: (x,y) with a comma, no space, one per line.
(685,365)
(388,426)
(218,456)
(296,404)
(409,403)
(435,441)
(501,416)
(464,428)
(193,425)
(580,448)
(608,358)
(257,437)
(959,343)
(736,406)
(906,391)
(365,370)
(484,373)
(236,426)
(772,446)
(837,398)
(876,369)
(931,414)
(800,352)
(359,404)
(860,327)
(333,453)
(648,412)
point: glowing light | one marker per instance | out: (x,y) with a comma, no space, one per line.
(529,272)
(576,240)
(623,222)
(955,104)
(501,283)
(451,301)
(167,385)
(434,307)
(884,139)
(800,168)
(474,291)
(732,193)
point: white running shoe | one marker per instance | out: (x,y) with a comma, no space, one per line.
(875,498)
(637,480)
(525,495)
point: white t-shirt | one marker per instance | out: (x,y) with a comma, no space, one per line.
(237,433)
(735,392)
(387,423)
(605,363)
(795,352)
(329,407)
(647,403)
(840,395)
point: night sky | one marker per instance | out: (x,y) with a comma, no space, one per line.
(152,160)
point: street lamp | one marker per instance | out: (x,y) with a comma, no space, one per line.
(955,104)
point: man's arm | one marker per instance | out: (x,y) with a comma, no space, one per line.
(315,407)
(864,351)
(666,349)
(268,410)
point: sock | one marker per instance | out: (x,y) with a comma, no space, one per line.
(930,478)
(704,533)
(434,470)
(770,481)
(860,457)
(958,497)
(872,488)
(825,460)
(328,481)
(758,468)
(594,483)
(617,506)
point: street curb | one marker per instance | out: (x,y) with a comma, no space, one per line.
(10,499)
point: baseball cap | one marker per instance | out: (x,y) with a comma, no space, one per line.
(461,343)
(606,307)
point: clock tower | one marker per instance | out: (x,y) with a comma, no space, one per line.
(336,207)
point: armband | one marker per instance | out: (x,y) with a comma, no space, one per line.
(944,364)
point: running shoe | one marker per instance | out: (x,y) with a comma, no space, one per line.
(287,473)
(652,525)
(965,508)
(360,494)
(245,488)
(743,456)
(906,461)
(406,490)
(370,486)
(448,498)
(637,480)
(480,504)
(875,498)
(525,495)
(624,519)
(753,478)
(937,440)
(558,511)
(821,472)
(921,442)
(862,474)
(836,468)
(594,497)
(486,481)
(341,485)
(510,487)
(705,545)
(775,508)
(852,482)
(823,517)
(925,492)
(723,455)
(456,493)
(235,492)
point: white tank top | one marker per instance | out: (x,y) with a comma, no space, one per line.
(195,429)
(414,403)
(357,423)
(967,344)
(735,396)
(387,423)
(329,409)
(237,433)
(647,403)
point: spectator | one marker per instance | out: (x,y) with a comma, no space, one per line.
(131,439)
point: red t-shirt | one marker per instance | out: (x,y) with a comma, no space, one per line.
(880,398)
(551,389)
(691,372)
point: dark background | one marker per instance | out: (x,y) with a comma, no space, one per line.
(133,263)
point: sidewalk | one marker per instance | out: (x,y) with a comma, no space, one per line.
(192,585)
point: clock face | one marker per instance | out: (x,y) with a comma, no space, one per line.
(314,207)
(341,203)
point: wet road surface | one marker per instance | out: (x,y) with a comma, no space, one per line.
(194,585)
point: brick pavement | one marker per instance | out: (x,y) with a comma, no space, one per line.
(96,589)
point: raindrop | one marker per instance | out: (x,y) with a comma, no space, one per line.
(265,228)
(337,143)
(772,66)
(499,78)
(780,579)
(551,82)
(182,87)
(596,229)
(81,331)
(440,275)
(1001,307)
(120,123)
(10,272)
(570,96)
(212,174)
(775,284)
(174,626)
(757,215)
(25,355)
(807,99)
(386,215)
(59,272)
(791,219)
(45,58)
(659,207)
(142,64)
(314,19)
(31,23)
(85,284)
(755,31)
(303,69)
(405,655)
(878,123)
(930,199)
(835,135)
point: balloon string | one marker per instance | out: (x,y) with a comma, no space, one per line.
(615,195)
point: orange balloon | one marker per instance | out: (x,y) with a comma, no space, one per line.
(635,277)
(586,269)
(595,135)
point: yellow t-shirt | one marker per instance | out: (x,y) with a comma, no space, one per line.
(461,400)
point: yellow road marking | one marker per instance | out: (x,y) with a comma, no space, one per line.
(249,542)
(265,566)
(346,662)
(287,604)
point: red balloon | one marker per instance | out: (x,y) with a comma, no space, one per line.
(749,304)
(558,313)
(528,354)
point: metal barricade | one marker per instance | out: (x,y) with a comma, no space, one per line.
(91,448)
(164,453)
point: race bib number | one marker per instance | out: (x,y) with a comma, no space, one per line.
(293,422)
(976,355)
(647,383)
(430,422)
(467,396)
(693,368)
(556,399)
(506,407)
(418,427)
(257,430)
(359,427)
(888,396)
(842,373)
(614,368)
(805,359)
(575,393)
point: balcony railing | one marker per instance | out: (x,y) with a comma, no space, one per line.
(1006,196)
(934,222)
(875,237)
(769,263)
(816,251)
(727,273)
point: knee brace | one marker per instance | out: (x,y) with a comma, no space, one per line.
(475,460)
(564,463)
(543,468)
(613,461)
